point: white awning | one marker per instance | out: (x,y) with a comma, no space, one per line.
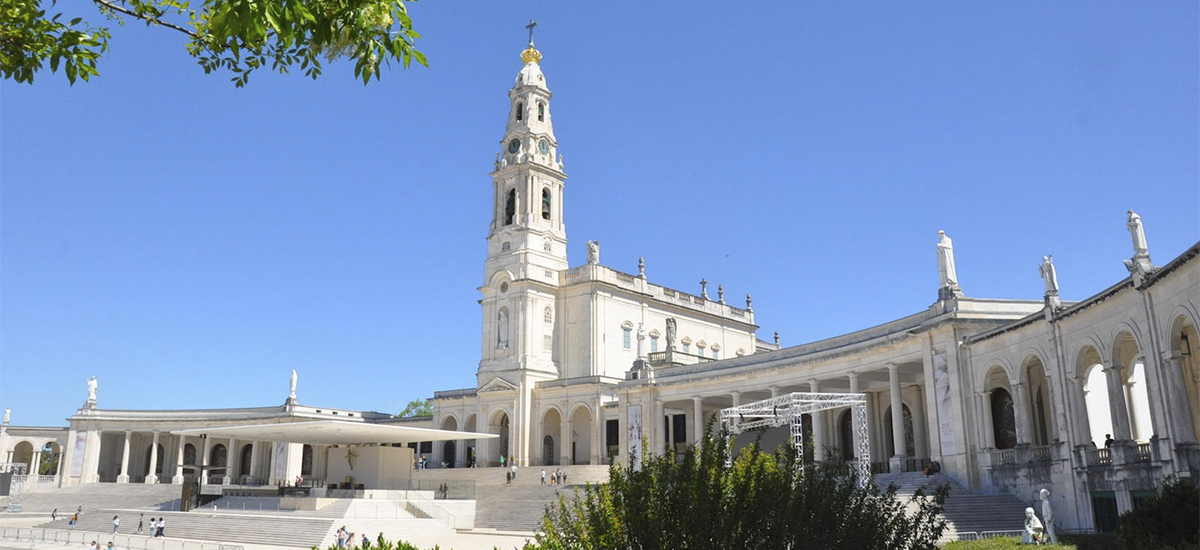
(333,432)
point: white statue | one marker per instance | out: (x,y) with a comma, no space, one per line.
(7,414)
(593,248)
(91,383)
(1033,528)
(1138,233)
(945,248)
(292,392)
(1049,274)
(502,330)
(670,333)
(641,341)
(1048,516)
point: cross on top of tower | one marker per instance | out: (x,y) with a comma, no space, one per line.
(530,26)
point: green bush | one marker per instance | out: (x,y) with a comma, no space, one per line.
(1169,520)
(694,501)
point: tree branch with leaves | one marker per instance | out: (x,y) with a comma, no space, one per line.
(238,36)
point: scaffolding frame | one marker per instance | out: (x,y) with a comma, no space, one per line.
(789,408)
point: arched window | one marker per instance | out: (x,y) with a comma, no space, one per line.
(189,454)
(244,462)
(545,204)
(520,111)
(716,351)
(218,456)
(1004,423)
(548,316)
(541,112)
(510,207)
(846,429)
(306,460)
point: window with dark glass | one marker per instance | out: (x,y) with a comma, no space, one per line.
(520,111)
(510,207)
(541,112)
(545,204)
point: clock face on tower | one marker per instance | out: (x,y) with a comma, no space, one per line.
(544,146)
(514,145)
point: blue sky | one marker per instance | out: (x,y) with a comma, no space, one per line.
(190,243)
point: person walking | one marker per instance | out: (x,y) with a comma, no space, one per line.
(54,514)
(141,522)
(543,476)
(116,524)
(162,527)
(74,520)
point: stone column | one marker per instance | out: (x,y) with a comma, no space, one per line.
(920,433)
(152,468)
(989,431)
(68,457)
(774,391)
(231,458)
(853,376)
(1078,411)
(203,472)
(898,449)
(123,477)
(1117,407)
(652,432)
(178,478)
(35,463)
(670,421)
(1021,406)
(254,460)
(1181,424)
(818,425)
(564,448)
(698,418)
(736,396)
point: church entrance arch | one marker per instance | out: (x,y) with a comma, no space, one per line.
(244,463)
(1183,368)
(580,451)
(157,469)
(470,443)
(910,448)
(449,454)
(500,425)
(23,454)
(552,424)
(1004,422)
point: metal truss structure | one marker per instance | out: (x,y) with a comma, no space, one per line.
(788,409)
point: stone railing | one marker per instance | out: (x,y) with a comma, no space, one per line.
(1142,452)
(1040,454)
(1022,455)
(1098,457)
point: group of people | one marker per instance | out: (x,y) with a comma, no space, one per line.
(345,539)
(559,477)
(96,546)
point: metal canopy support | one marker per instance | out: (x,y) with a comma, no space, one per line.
(788,409)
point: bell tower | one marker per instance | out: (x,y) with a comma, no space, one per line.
(527,240)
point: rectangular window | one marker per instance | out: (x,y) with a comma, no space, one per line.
(687,348)
(716,354)
(625,337)
(1104,511)
(653,343)
(547,343)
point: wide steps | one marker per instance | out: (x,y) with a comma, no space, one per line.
(97,496)
(516,508)
(964,511)
(275,530)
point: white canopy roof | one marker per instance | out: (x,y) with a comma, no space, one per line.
(333,432)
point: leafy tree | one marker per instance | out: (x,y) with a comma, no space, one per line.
(1169,520)
(418,407)
(695,501)
(239,36)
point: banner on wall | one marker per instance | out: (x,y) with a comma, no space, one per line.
(635,435)
(281,458)
(77,457)
(945,408)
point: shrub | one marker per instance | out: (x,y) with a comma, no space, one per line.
(694,501)
(1169,520)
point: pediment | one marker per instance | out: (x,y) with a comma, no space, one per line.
(497,384)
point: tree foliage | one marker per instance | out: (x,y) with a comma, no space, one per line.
(239,36)
(1169,520)
(761,500)
(417,407)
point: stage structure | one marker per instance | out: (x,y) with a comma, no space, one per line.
(788,409)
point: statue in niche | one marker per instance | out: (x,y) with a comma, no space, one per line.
(1138,233)
(502,330)
(670,333)
(292,390)
(945,248)
(593,248)
(1049,274)
(1048,516)
(91,385)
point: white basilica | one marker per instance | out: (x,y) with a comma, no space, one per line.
(1097,400)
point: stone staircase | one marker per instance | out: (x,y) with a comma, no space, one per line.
(372,517)
(98,496)
(274,530)
(518,506)
(964,511)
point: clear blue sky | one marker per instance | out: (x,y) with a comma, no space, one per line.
(190,243)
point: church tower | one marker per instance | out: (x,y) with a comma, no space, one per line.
(527,240)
